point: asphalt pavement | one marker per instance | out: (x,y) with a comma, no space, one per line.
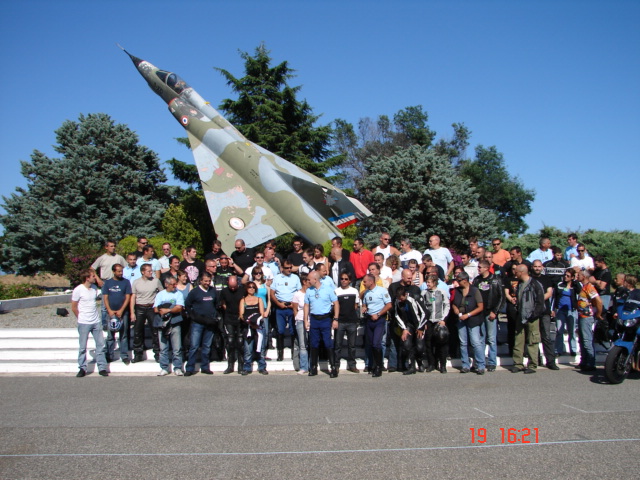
(291,426)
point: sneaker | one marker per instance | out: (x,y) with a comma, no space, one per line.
(392,369)
(302,372)
(103,373)
(188,373)
(178,373)
(473,369)
(126,361)
(81,373)
(263,372)
(464,370)
(163,373)
(491,368)
(245,372)
(480,371)
(206,371)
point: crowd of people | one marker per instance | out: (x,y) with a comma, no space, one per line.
(417,309)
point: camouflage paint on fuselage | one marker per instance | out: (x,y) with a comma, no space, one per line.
(251,193)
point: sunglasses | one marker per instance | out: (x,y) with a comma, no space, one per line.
(259,258)
(581,250)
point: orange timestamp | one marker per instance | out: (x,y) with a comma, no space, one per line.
(507,435)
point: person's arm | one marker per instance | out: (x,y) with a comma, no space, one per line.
(267,309)
(383,312)
(240,310)
(74,308)
(479,309)
(274,300)
(306,316)
(105,299)
(125,305)
(597,303)
(336,314)
(449,269)
(132,308)
(245,279)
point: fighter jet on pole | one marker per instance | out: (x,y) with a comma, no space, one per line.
(252,194)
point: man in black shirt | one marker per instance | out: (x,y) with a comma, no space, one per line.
(349,300)
(545,320)
(216,251)
(235,330)
(295,257)
(243,256)
(601,279)
(201,304)
(554,269)
(191,265)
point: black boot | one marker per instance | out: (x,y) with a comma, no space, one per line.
(412,366)
(333,373)
(313,364)
(280,345)
(377,358)
(230,366)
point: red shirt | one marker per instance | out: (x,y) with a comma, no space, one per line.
(360,261)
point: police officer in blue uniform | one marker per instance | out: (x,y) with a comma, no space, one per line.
(319,321)
(284,285)
(376,302)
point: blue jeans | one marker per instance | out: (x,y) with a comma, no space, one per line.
(284,315)
(393,340)
(95,329)
(300,348)
(104,316)
(175,339)
(490,337)
(249,350)
(201,337)
(585,334)
(123,339)
(265,338)
(565,322)
(471,335)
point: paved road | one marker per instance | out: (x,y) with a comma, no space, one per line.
(290,426)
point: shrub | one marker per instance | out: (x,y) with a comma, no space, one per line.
(21,290)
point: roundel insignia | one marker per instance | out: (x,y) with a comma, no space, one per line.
(185,120)
(236,223)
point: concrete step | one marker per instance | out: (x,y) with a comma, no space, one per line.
(56,351)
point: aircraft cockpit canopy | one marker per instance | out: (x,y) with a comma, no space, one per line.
(172,80)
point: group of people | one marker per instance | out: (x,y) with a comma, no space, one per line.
(417,309)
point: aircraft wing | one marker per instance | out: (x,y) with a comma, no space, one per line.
(231,200)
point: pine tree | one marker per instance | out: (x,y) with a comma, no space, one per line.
(104,185)
(416,193)
(268,113)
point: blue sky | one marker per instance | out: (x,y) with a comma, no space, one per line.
(554,85)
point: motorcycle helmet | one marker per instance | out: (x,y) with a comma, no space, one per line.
(115,324)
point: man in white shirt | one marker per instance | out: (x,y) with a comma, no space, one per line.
(83,305)
(408,253)
(440,255)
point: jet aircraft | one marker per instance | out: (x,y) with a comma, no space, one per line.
(251,193)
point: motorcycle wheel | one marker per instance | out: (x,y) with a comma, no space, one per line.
(616,368)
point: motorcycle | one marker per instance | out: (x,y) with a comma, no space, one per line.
(625,353)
